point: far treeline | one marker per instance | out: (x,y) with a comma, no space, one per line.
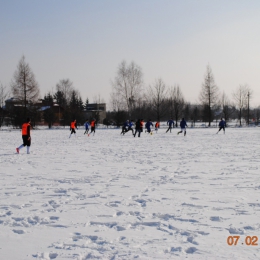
(130,98)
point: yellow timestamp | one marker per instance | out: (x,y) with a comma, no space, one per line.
(249,241)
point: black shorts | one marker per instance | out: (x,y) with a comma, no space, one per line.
(26,142)
(73,131)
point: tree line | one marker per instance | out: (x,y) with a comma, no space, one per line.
(129,99)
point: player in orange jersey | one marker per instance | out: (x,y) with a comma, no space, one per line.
(92,126)
(26,135)
(157,126)
(73,125)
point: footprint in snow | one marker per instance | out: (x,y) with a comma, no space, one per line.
(216,218)
(20,232)
(191,250)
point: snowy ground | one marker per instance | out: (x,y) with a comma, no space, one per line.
(161,196)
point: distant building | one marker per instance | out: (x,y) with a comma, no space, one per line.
(42,105)
(97,111)
(13,102)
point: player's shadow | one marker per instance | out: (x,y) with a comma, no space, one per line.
(7,154)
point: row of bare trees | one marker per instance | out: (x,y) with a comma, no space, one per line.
(131,99)
(210,97)
(162,102)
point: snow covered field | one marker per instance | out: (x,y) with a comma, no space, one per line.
(161,196)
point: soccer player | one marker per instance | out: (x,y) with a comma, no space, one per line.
(183,126)
(125,127)
(222,125)
(26,136)
(142,124)
(73,125)
(130,127)
(92,126)
(148,126)
(157,126)
(170,123)
(138,128)
(86,127)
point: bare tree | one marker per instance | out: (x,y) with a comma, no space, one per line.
(24,86)
(98,99)
(241,96)
(116,102)
(195,114)
(157,96)
(226,106)
(209,94)
(257,115)
(128,84)
(67,98)
(176,103)
(4,94)
(64,91)
(187,111)
(249,97)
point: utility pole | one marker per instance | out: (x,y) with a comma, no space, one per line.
(248,95)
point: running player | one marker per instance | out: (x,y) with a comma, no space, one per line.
(138,128)
(92,126)
(170,123)
(73,125)
(183,126)
(125,127)
(86,127)
(130,127)
(26,136)
(222,125)
(148,126)
(157,126)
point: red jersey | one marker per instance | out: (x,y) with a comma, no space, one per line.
(26,129)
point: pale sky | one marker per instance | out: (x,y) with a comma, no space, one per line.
(85,41)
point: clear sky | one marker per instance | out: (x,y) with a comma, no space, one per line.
(85,40)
